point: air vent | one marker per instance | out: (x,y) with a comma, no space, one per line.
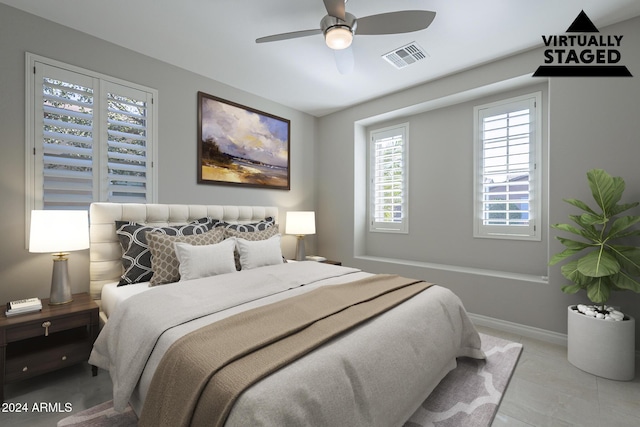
(405,55)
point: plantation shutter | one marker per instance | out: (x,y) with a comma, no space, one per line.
(507,168)
(128,126)
(92,140)
(65,132)
(389,179)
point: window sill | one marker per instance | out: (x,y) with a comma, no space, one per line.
(459,269)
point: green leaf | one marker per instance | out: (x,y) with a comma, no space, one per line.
(591,219)
(571,272)
(598,263)
(563,255)
(606,190)
(568,228)
(598,291)
(618,209)
(624,281)
(628,257)
(573,244)
(580,204)
(622,224)
(588,231)
(571,289)
(627,234)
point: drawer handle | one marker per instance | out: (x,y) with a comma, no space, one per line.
(25,369)
(64,357)
(46,325)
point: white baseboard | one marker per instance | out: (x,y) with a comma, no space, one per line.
(523,330)
(519,329)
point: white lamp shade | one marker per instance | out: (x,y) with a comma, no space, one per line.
(58,231)
(301,223)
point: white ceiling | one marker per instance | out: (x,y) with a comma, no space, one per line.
(216,38)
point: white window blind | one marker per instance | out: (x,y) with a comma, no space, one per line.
(127,140)
(388,179)
(89,138)
(65,130)
(507,178)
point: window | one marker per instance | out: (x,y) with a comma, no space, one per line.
(90,138)
(388,173)
(507,151)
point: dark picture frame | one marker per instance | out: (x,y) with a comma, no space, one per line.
(239,145)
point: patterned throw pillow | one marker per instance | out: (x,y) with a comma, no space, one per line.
(255,226)
(136,257)
(252,236)
(164,261)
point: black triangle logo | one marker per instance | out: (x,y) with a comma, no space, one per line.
(582,24)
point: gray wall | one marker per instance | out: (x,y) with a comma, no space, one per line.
(441,197)
(23,274)
(592,122)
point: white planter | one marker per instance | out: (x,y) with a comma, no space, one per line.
(601,347)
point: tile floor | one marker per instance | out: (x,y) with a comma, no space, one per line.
(545,390)
(73,385)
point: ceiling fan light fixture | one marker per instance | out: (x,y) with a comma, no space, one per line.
(338,37)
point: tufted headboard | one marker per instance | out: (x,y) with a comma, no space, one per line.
(105,252)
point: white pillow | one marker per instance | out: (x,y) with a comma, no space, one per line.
(205,260)
(259,253)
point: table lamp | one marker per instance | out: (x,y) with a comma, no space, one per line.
(59,232)
(301,223)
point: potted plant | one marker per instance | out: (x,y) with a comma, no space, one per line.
(606,263)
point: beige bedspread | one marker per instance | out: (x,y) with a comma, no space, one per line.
(202,375)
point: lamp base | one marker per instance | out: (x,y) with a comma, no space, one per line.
(60,284)
(300,250)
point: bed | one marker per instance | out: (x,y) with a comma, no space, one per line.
(375,373)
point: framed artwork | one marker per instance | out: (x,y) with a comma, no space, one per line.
(238,145)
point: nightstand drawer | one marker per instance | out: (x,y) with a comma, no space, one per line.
(56,324)
(33,364)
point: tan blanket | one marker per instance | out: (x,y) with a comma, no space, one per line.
(203,373)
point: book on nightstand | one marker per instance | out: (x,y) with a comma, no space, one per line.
(23,306)
(316,258)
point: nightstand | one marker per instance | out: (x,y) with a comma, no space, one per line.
(56,337)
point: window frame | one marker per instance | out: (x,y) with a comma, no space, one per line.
(533,232)
(380,226)
(33,148)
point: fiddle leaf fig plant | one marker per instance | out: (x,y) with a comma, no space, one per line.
(605,263)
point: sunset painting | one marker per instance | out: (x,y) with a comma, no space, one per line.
(240,145)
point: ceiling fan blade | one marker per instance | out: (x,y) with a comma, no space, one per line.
(335,8)
(344,60)
(404,21)
(286,36)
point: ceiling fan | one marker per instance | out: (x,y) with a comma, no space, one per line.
(339,27)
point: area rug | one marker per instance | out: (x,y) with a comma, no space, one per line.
(468,396)
(102,415)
